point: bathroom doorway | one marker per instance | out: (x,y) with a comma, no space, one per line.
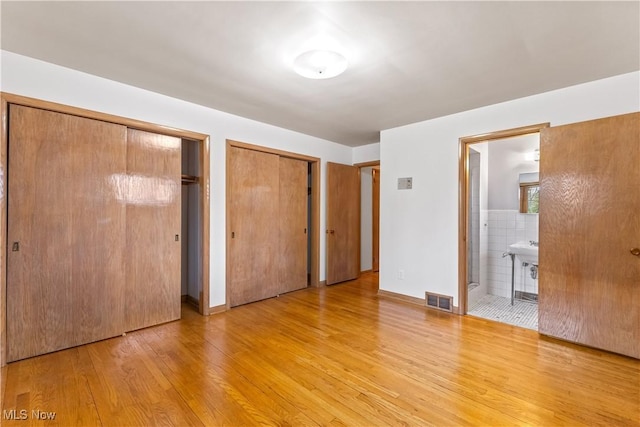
(499,226)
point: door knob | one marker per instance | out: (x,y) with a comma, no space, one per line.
(635,251)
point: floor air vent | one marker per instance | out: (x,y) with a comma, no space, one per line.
(440,302)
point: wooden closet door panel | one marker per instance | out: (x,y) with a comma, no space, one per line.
(294,198)
(65,284)
(152,192)
(343,222)
(589,222)
(253,242)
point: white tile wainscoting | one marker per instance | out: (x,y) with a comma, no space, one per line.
(504,228)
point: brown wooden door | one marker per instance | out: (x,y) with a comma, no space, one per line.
(375,174)
(66,231)
(253,208)
(589,288)
(151,189)
(293,219)
(343,222)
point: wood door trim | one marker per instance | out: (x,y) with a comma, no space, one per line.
(282,153)
(502,134)
(89,114)
(7,98)
(315,207)
(463,195)
(3,232)
(205,196)
(367,164)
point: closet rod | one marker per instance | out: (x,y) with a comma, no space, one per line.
(189,179)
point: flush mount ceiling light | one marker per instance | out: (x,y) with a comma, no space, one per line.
(320,64)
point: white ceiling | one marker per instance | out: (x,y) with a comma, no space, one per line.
(409,61)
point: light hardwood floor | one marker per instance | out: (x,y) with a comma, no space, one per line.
(339,356)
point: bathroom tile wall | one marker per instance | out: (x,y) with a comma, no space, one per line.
(504,228)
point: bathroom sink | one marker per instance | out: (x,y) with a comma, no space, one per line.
(526,251)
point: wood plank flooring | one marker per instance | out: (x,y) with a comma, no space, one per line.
(339,356)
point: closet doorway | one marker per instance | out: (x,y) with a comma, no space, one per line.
(124,180)
(273,221)
(192,289)
(196,202)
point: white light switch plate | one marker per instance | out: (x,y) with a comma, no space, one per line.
(405,183)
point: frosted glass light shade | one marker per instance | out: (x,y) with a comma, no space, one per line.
(320,64)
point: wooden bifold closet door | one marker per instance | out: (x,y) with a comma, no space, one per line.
(267,241)
(93,211)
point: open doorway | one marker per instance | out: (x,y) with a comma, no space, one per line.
(194,260)
(191,242)
(369,216)
(498,212)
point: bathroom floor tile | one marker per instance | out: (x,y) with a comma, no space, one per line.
(522,313)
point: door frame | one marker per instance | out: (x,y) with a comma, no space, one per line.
(7,98)
(463,197)
(315,208)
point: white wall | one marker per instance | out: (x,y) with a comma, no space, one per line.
(506,162)
(29,77)
(366,153)
(419,227)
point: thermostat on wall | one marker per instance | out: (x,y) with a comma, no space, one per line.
(405,183)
